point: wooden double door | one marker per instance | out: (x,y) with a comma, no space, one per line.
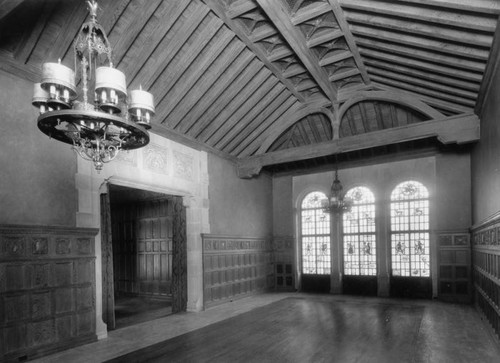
(144,248)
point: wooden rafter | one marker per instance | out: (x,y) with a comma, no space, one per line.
(297,41)
(427,30)
(6,6)
(429,15)
(218,9)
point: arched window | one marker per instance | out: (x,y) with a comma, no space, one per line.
(410,230)
(315,235)
(358,234)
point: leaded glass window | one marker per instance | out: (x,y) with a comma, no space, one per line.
(358,234)
(410,230)
(315,228)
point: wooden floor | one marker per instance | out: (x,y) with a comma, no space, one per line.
(303,328)
(138,309)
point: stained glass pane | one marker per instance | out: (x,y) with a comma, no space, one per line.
(410,230)
(315,228)
(360,257)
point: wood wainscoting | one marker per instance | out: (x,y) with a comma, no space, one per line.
(47,289)
(235,267)
(486,269)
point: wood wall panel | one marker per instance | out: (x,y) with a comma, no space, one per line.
(47,289)
(235,267)
(283,254)
(486,274)
(454,271)
(142,242)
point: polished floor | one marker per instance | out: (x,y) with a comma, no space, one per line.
(139,309)
(302,328)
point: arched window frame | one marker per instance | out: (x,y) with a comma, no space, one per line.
(359,233)
(315,235)
(410,232)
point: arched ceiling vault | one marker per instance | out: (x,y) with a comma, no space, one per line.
(231,76)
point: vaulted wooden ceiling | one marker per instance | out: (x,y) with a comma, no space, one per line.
(268,82)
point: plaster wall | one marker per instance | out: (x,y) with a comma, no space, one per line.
(452,207)
(37,186)
(283,209)
(486,156)
(238,207)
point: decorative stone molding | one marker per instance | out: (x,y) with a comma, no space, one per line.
(183,165)
(155,158)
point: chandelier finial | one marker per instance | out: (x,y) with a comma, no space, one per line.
(92,6)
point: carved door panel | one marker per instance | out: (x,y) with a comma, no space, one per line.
(143,247)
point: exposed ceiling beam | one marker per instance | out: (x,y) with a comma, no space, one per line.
(450,81)
(402,85)
(480,6)
(427,66)
(297,41)
(431,85)
(427,30)
(32,36)
(220,11)
(339,15)
(457,129)
(432,101)
(435,45)
(426,14)
(492,67)
(421,54)
(6,6)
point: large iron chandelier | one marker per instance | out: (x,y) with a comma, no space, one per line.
(114,122)
(336,202)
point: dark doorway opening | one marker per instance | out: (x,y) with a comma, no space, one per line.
(315,283)
(359,285)
(411,287)
(143,237)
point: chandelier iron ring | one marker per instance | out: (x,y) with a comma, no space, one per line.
(61,125)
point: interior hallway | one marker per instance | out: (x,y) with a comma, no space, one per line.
(362,330)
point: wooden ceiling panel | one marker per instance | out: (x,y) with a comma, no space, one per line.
(267,116)
(225,97)
(229,75)
(216,89)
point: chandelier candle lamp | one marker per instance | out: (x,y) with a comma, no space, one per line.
(336,203)
(113,122)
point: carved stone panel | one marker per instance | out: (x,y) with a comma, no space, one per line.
(155,158)
(183,165)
